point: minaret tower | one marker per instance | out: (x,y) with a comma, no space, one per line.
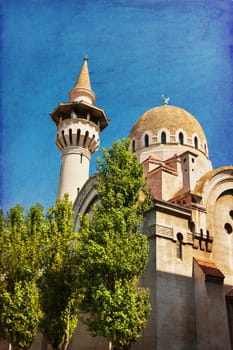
(79,124)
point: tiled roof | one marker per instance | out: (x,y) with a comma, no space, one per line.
(211,271)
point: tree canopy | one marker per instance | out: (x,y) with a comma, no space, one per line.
(37,275)
(20,266)
(113,253)
(57,283)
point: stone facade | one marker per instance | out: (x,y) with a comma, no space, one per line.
(190,266)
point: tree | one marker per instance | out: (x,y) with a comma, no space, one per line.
(112,252)
(19,271)
(37,275)
(57,284)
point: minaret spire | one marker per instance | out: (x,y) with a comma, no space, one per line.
(79,124)
(82,89)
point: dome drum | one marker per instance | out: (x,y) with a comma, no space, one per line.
(168,125)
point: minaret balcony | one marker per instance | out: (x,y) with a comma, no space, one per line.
(82,110)
(78,133)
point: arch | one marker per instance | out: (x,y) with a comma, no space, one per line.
(85,138)
(179,243)
(70,136)
(163,138)
(78,137)
(181,138)
(133,146)
(146,140)
(63,137)
(196,142)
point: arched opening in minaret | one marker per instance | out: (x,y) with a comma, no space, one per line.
(196,142)
(181,138)
(70,136)
(85,138)
(63,137)
(163,138)
(146,141)
(78,137)
(91,143)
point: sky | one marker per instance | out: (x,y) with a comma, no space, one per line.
(137,50)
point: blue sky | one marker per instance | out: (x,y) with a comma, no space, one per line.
(137,50)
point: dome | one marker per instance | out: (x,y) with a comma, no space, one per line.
(172,121)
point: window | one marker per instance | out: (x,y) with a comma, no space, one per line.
(179,252)
(196,142)
(133,146)
(163,138)
(228,228)
(181,138)
(146,141)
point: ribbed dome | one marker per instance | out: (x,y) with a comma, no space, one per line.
(167,117)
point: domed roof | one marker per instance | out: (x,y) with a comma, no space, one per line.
(167,117)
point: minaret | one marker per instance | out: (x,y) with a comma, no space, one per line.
(79,124)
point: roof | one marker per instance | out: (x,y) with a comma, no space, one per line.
(211,271)
(63,110)
(210,175)
(83,80)
(82,86)
(167,117)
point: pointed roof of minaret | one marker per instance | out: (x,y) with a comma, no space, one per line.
(83,80)
(82,89)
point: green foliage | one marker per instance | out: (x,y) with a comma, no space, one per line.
(37,275)
(57,284)
(112,252)
(20,266)
(20,314)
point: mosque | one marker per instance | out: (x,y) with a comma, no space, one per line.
(189,227)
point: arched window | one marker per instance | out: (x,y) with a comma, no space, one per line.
(181,138)
(163,138)
(146,140)
(133,146)
(179,252)
(196,142)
